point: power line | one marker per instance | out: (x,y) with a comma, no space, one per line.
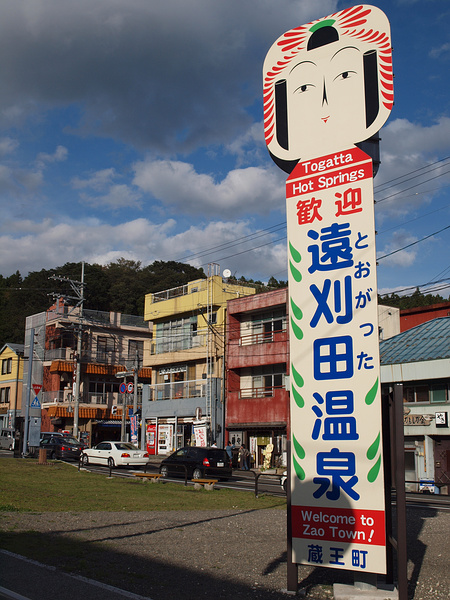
(413,243)
(274,228)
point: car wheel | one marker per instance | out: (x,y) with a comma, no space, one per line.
(111,463)
(11,447)
(164,471)
(285,485)
(53,455)
(84,460)
(197,474)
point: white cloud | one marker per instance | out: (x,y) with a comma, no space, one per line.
(242,191)
(29,246)
(59,155)
(8,146)
(410,164)
(118,196)
(100,180)
(440,50)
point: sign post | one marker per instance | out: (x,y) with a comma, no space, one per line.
(327,88)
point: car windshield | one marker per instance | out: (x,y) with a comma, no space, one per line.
(125,446)
(69,439)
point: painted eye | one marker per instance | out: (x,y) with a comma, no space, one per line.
(344,75)
(303,88)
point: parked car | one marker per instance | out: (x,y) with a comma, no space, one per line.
(199,462)
(7,439)
(62,447)
(115,454)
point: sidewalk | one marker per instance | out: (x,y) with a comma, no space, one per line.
(25,579)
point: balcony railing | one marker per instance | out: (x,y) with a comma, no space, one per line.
(261,392)
(112,357)
(65,397)
(262,338)
(182,290)
(176,391)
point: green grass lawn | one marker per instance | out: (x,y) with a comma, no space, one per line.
(59,487)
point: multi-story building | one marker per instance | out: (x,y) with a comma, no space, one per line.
(11,360)
(418,359)
(185,402)
(110,343)
(257,397)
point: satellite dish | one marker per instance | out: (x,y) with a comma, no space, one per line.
(227,273)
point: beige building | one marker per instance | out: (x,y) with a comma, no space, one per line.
(11,376)
(185,400)
(111,343)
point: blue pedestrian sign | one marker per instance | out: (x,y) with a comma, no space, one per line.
(36,403)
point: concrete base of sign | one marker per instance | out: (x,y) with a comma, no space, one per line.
(350,592)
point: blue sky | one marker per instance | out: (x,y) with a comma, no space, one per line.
(134,129)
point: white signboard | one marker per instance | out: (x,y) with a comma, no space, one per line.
(200,435)
(337,487)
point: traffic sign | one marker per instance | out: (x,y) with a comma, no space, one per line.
(130,388)
(123,388)
(125,374)
(36,403)
(37,388)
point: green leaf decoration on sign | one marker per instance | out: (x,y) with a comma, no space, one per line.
(374,471)
(371,394)
(372,451)
(298,470)
(295,273)
(296,330)
(297,377)
(298,398)
(296,311)
(299,450)
(295,253)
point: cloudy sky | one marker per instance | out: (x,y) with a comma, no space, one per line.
(133,128)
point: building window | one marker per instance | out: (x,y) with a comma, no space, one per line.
(264,326)
(6,366)
(179,334)
(437,392)
(265,380)
(4,395)
(136,350)
(106,347)
(103,392)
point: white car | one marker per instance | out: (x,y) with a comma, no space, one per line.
(115,454)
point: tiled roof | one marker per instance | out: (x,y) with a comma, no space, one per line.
(428,341)
(17,348)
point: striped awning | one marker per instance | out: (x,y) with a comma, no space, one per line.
(59,366)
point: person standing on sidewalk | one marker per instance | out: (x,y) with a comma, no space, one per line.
(243,458)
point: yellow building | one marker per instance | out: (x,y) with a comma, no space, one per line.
(11,377)
(185,398)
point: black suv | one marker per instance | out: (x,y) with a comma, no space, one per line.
(198,462)
(62,447)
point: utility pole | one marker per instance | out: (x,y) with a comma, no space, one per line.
(27,406)
(78,289)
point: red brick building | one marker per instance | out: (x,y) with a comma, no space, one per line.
(411,317)
(257,398)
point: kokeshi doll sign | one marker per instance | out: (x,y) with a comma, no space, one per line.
(328,86)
